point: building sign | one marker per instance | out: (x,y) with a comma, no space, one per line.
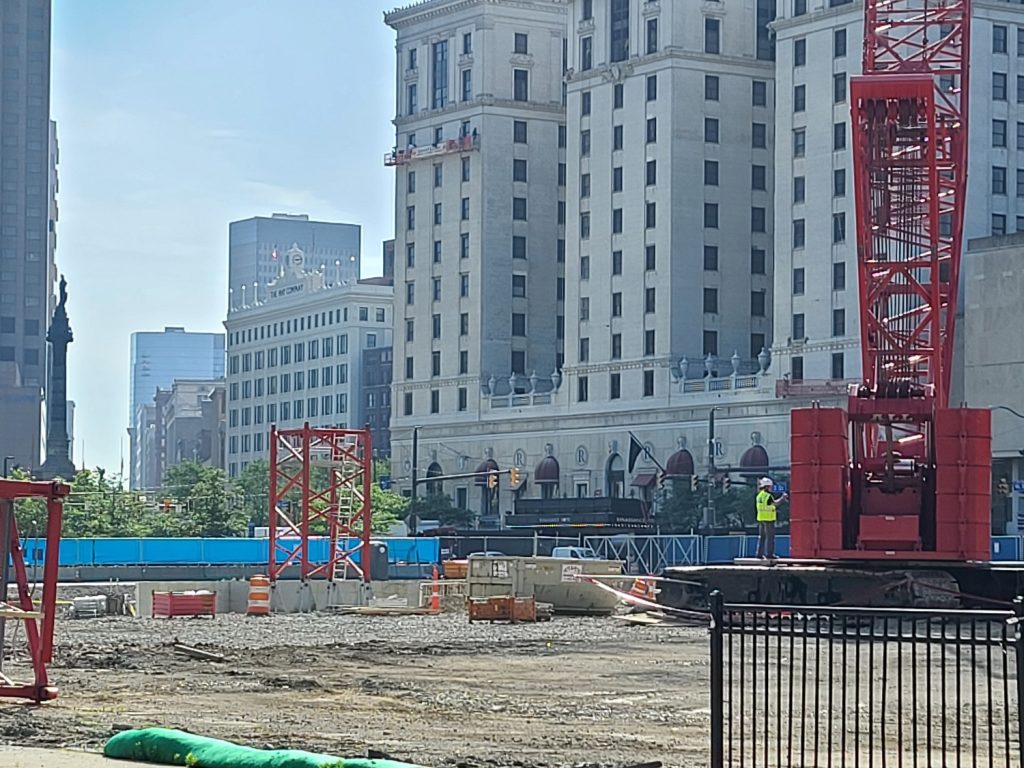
(570,571)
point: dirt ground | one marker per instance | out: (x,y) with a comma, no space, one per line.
(431,690)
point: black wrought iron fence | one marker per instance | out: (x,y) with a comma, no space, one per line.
(822,686)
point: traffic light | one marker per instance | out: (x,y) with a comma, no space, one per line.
(513,477)
(1004,486)
(726,483)
(693,483)
(492,481)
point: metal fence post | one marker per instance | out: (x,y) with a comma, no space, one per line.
(1018,640)
(717,694)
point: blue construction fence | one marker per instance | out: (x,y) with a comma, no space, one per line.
(410,556)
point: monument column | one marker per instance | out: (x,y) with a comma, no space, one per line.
(57,463)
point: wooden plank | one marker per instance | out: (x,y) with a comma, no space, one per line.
(9,612)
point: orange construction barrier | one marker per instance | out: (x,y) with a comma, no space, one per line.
(259,596)
(644,589)
(435,592)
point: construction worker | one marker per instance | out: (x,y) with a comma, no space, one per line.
(766,514)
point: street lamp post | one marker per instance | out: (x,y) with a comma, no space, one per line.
(711,467)
(8,460)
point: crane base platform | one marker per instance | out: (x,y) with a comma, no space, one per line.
(867,583)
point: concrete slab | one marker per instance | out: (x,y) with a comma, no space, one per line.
(27,757)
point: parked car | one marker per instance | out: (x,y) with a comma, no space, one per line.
(574,553)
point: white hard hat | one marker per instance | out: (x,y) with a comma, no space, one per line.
(765,482)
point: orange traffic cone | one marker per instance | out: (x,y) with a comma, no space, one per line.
(435,592)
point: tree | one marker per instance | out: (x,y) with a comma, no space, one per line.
(386,509)
(202,495)
(252,487)
(439,506)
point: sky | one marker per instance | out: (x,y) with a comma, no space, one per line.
(177,117)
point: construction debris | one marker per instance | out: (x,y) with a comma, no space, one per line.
(196,653)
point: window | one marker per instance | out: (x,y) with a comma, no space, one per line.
(406,404)
(465,169)
(998,224)
(999,86)
(838,136)
(839,276)
(758,177)
(584,226)
(839,182)
(710,258)
(435,401)
(519,286)
(652,35)
(519,208)
(799,189)
(519,131)
(711,215)
(467,43)
(520,43)
(617,138)
(440,75)
(998,38)
(998,180)
(1020,182)
(410,330)
(584,268)
(520,85)
(584,350)
(710,343)
(649,383)
(411,182)
(410,217)
(839,227)
(437,251)
(412,58)
(584,143)
(837,365)
(797,369)
(586,53)
(462,398)
(614,386)
(839,88)
(518,324)
(464,324)
(839,43)
(463,362)
(616,262)
(798,327)
(617,178)
(465,209)
(648,343)
(464,245)
(435,286)
(759,136)
(798,233)
(650,304)
(410,255)
(585,185)
(651,215)
(650,258)
(799,52)
(999,133)
(711,130)
(757,303)
(711,301)
(758,261)
(435,326)
(711,85)
(616,304)
(437,214)
(838,322)
(619,15)
(759,93)
(799,281)
(652,172)
(799,142)
(582,389)
(712,36)
(467,85)
(652,130)
(518,247)
(588,9)
(408,369)
(799,98)
(711,173)
(585,102)
(561,174)
(616,346)
(616,221)
(758,219)
(435,363)
(652,87)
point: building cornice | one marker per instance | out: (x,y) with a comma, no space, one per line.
(426,10)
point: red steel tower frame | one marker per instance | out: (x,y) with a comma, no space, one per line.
(898,474)
(333,503)
(38,623)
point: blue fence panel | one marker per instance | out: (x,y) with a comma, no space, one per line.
(722,549)
(413,551)
(118,552)
(1005,548)
(171,551)
(236,551)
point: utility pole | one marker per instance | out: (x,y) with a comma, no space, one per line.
(415,478)
(711,468)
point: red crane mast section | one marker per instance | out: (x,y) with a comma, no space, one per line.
(898,474)
(320,503)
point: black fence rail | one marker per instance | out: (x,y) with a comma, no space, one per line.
(822,686)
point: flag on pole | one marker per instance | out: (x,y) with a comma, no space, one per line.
(635,449)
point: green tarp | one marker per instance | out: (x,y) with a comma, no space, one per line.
(167,747)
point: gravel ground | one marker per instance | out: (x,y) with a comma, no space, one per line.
(432,690)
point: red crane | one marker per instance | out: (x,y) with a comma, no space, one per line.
(898,474)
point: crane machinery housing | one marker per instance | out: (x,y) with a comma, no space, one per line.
(890,497)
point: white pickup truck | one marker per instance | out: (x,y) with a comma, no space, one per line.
(574,553)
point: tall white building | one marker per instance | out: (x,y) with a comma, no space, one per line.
(819,47)
(296,356)
(478,204)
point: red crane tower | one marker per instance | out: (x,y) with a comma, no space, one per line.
(899,475)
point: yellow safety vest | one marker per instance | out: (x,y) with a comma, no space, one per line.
(765,507)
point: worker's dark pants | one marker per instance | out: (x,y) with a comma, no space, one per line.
(766,541)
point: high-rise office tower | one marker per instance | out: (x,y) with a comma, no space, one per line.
(27,223)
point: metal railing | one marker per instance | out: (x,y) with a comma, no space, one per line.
(648,554)
(817,686)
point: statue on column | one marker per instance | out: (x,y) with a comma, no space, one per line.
(57,463)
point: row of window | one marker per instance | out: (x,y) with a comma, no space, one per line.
(796,367)
(518,285)
(328,346)
(999,135)
(999,181)
(999,87)
(838,278)
(614,386)
(1000,36)
(29,356)
(838,325)
(838,230)
(327,376)
(838,92)
(300,324)
(285,410)
(619,38)
(8,325)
